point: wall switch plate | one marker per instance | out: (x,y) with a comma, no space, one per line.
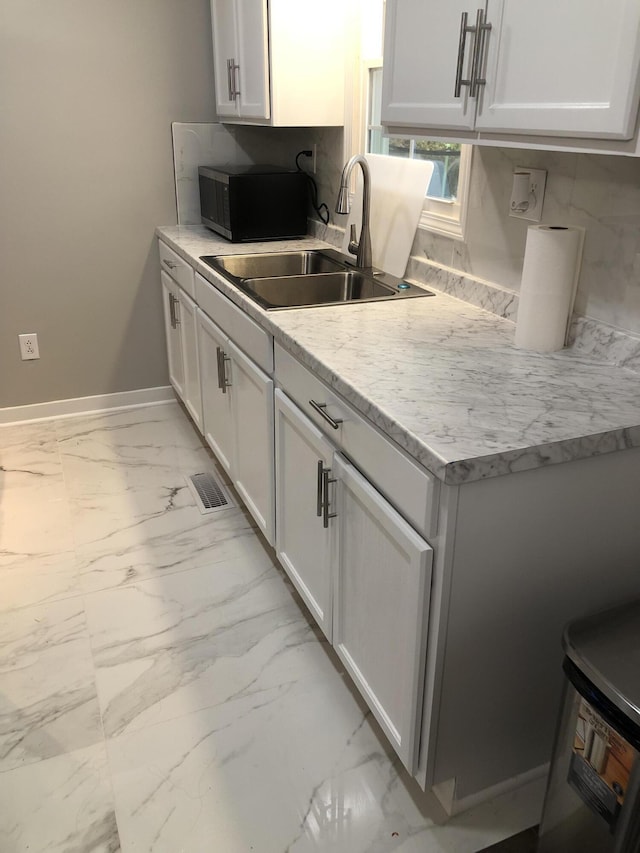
(527,194)
(29,346)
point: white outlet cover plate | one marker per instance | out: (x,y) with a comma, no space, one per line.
(29,346)
(537,185)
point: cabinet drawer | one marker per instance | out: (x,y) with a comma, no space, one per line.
(178,269)
(406,485)
(246,334)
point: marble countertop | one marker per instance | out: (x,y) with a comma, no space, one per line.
(443,379)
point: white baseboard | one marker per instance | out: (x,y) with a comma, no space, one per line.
(86,405)
(446,791)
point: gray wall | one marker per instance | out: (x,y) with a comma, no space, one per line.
(88,91)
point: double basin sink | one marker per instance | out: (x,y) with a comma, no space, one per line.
(297,279)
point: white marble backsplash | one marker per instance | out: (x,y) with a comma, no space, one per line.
(483,294)
(600,193)
(196,145)
(199,144)
(586,336)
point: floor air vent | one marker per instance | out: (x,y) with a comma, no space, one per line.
(210,494)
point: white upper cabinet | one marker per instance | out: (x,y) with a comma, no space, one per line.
(240,51)
(419,77)
(279,62)
(543,69)
(568,68)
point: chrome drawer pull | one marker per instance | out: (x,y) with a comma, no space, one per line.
(171,264)
(320,409)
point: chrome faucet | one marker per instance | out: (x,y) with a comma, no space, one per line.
(360,248)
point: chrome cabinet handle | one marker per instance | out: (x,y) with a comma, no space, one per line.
(232,79)
(223,382)
(219,365)
(229,78)
(319,488)
(174,319)
(320,409)
(464,29)
(481,28)
(171,264)
(235,73)
(326,480)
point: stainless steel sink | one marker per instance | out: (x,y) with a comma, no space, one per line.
(302,279)
(306,290)
(272,264)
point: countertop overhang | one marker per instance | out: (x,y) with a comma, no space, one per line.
(442,378)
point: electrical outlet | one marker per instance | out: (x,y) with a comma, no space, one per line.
(527,194)
(309,164)
(28,346)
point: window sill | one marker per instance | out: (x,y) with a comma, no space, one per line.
(442,225)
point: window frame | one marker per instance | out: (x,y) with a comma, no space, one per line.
(440,216)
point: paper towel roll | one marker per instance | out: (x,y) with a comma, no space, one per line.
(549,280)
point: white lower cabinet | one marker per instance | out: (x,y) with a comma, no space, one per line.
(362,570)
(182,346)
(237,409)
(192,397)
(251,393)
(382,582)
(171,304)
(302,542)
(217,414)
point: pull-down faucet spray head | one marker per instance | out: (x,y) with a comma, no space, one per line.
(343,205)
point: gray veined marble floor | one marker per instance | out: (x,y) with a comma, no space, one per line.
(161,686)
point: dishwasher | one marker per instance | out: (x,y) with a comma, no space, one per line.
(592,803)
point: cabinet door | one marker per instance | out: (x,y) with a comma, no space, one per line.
(302,542)
(216,406)
(252,405)
(170,303)
(225,52)
(381,606)
(188,329)
(253,58)
(421,49)
(564,69)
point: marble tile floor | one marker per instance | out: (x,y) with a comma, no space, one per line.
(162,687)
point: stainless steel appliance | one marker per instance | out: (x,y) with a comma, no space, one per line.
(592,803)
(244,203)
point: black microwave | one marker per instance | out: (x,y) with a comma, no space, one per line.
(253,202)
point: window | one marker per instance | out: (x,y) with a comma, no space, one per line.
(446,200)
